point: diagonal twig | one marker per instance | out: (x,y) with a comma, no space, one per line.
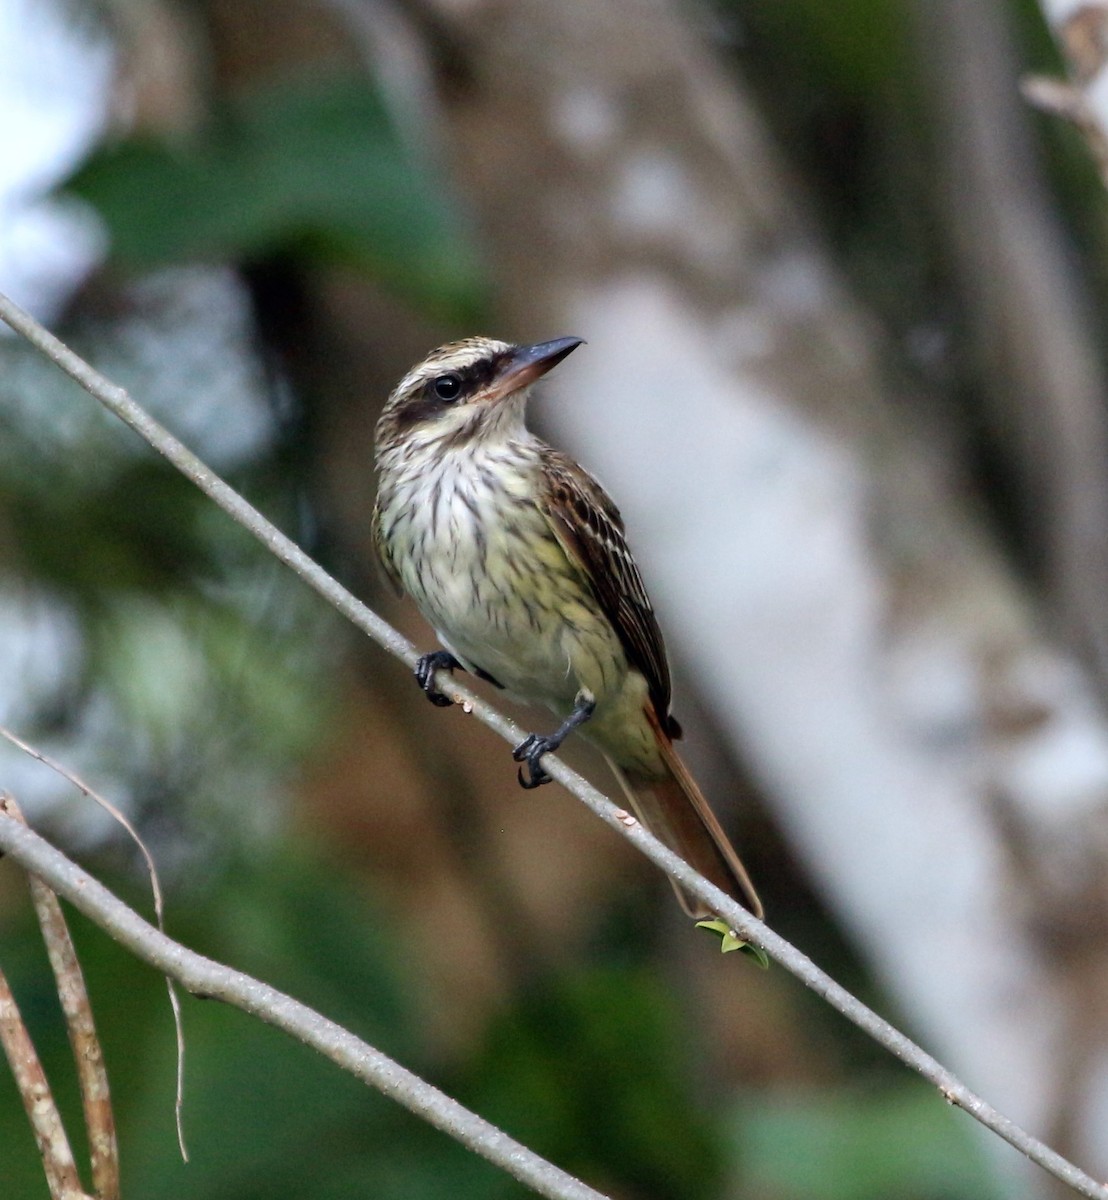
(1081,30)
(88,1056)
(38,1100)
(746,926)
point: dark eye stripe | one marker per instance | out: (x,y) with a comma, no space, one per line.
(470,379)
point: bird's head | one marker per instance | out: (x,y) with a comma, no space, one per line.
(473,389)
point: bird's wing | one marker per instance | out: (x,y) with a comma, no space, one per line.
(381,545)
(589,529)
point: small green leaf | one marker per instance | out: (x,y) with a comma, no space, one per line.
(729,941)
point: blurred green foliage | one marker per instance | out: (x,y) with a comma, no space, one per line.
(854,47)
(58,522)
(307,167)
(592,1066)
(183,672)
(853,1145)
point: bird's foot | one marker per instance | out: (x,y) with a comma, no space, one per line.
(437,660)
(535,745)
(529,751)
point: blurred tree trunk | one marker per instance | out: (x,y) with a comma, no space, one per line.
(1029,319)
(1031,330)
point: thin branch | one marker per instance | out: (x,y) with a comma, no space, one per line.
(87,1054)
(112,810)
(747,927)
(1057,98)
(159,910)
(77,1009)
(203,977)
(1081,29)
(38,1100)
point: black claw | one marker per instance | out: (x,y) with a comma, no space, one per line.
(535,745)
(529,751)
(437,660)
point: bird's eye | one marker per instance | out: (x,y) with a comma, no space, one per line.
(448,387)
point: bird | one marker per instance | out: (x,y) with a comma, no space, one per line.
(518,559)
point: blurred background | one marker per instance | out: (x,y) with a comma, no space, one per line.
(842,292)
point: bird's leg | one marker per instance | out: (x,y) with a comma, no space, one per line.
(535,745)
(437,660)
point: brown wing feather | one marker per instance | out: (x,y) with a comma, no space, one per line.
(589,529)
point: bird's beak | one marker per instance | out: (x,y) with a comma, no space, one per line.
(522,365)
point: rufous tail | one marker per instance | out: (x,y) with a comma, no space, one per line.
(673,808)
